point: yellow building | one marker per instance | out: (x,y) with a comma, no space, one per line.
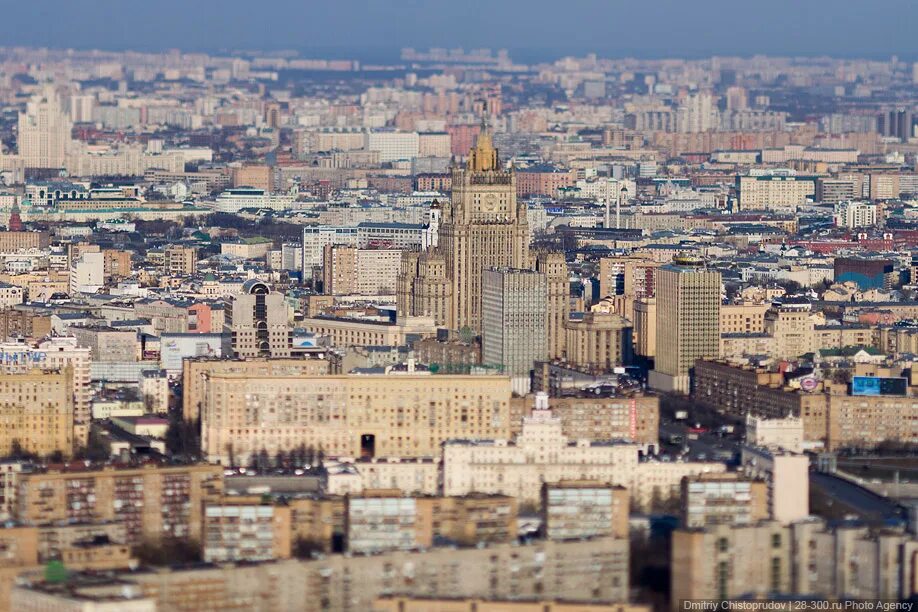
(688,322)
(196,373)
(36,411)
(598,341)
(404,415)
(154,502)
(588,417)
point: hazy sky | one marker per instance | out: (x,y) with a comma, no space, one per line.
(530,28)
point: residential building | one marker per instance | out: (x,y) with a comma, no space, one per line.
(37,411)
(573,510)
(155,503)
(726,498)
(350,415)
(257,321)
(598,341)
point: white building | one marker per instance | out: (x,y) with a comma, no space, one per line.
(853,215)
(44,133)
(316,237)
(788,478)
(10,295)
(393,146)
(542,453)
(235,199)
(87,275)
(776,434)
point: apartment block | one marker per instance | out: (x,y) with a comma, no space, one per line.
(588,571)
(404,415)
(805,559)
(586,416)
(787,477)
(240,529)
(394,603)
(584,509)
(196,373)
(179,260)
(770,192)
(728,498)
(36,410)
(347,270)
(154,503)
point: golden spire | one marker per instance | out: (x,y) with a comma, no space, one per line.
(483,155)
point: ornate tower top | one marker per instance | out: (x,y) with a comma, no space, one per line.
(483,156)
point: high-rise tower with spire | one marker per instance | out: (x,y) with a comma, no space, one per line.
(482,226)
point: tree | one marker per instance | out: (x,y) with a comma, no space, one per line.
(98,447)
(168,552)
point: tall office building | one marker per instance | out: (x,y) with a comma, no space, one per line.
(256,318)
(44,133)
(688,321)
(514,321)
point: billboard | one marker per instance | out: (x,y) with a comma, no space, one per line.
(877,385)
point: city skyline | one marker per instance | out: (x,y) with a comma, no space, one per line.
(374,31)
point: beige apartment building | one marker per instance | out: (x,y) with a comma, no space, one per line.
(791,329)
(385,520)
(404,415)
(588,417)
(598,341)
(342,332)
(645,327)
(787,476)
(179,260)
(154,503)
(56,354)
(394,603)
(805,559)
(746,318)
(773,192)
(829,414)
(36,411)
(578,509)
(258,323)
(196,373)
(245,529)
(554,267)
(588,571)
(348,270)
(723,499)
